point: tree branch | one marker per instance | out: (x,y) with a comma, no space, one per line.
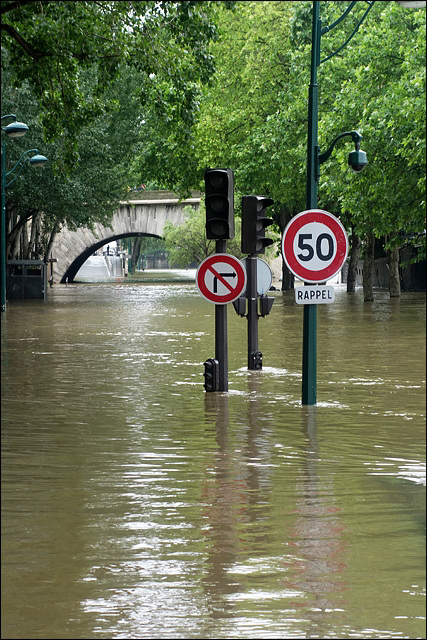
(15,5)
(36,54)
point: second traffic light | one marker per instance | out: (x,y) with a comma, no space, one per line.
(211,374)
(219,191)
(254,224)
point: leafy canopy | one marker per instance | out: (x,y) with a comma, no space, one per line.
(52,44)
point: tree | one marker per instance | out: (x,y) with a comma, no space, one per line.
(91,78)
(188,244)
(88,192)
(253,119)
(246,121)
(52,44)
(145,245)
(387,200)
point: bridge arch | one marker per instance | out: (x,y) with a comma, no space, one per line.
(74,267)
(145,217)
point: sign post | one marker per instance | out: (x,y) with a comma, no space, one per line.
(314,248)
(221,278)
(259,281)
(254,224)
(254,355)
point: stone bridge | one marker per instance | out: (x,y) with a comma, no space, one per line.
(144,217)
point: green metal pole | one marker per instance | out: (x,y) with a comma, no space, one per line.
(3,226)
(309,347)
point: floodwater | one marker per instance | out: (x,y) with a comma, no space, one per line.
(135,505)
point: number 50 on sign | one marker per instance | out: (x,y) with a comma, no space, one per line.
(314,246)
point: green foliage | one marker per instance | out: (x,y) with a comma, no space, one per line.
(188,244)
(87,192)
(150,245)
(384,97)
(131,87)
(254,118)
(93,79)
(247,120)
(52,45)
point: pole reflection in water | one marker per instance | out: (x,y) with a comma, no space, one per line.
(236,498)
(222,509)
(317,536)
(237,506)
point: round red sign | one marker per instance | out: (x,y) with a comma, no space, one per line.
(221,278)
(314,246)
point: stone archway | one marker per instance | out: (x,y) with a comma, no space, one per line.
(145,217)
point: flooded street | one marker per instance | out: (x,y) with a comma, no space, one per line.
(135,505)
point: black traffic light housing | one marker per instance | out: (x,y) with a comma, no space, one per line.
(211,375)
(255,360)
(265,304)
(240,306)
(254,223)
(219,201)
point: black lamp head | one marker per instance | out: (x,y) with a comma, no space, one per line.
(357,160)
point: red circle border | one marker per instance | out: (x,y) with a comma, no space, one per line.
(233,262)
(298,221)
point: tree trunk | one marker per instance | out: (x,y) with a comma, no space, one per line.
(136,251)
(288,278)
(394,276)
(352,267)
(15,236)
(368,268)
(24,243)
(51,239)
(13,247)
(32,242)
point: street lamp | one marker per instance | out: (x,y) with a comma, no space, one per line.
(357,161)
(14,129)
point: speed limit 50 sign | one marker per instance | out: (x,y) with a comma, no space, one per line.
(314,246)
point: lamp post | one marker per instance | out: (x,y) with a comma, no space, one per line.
(357,161)
(14,130)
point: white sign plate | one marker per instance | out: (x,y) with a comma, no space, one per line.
(264,276)
(320,294)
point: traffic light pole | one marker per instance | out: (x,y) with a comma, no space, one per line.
(251,288)
(221,337)
(254,223)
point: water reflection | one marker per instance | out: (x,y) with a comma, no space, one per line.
(308,576)
(135,505)
(317,536)
(223,508)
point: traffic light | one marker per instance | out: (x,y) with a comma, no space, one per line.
(240,306)
(265,304)
(211,375)
(254,224)
(255,360)
(219,191)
